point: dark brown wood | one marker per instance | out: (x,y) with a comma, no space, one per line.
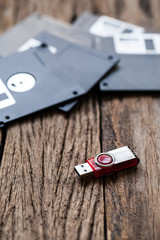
(132,197)
(40,195)
(1,144)
(143,12)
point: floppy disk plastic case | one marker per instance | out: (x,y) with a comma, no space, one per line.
(104,26)
(79,60)
(139,67)
(23,38)
(77,37)
(57,71)
(27,85)
(15,37)
(138,51)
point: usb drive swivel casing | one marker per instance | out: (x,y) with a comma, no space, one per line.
(108,162)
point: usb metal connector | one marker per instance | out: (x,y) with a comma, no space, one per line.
(83,170)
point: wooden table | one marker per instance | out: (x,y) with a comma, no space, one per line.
(40,195)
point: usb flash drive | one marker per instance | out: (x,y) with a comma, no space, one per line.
(108,162)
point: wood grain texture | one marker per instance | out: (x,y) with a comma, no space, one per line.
(132,197)
(143,12)
(40,195)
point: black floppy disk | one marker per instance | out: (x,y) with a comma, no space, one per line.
(138,51)
(24,31)
(15,37)
(75,60)
(27,85)
(87,66)
(56,71)
(104,26)
(139,66)
(50,40)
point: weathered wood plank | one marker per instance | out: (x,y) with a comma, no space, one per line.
(41,196)
(13,11)
(143,12)
(133,197)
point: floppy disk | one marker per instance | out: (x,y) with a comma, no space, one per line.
(15,37)
(139,66)
(44,76)
(76,59)
(27,85)
(25,31)
(138,51)
(104,26)
(31,26)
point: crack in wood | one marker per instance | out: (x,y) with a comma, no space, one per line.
(146,7)
(119,7)
(104,181)
(2,142)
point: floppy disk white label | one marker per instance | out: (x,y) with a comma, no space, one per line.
(32,43)
(6,99)
(137,43)
(108,27)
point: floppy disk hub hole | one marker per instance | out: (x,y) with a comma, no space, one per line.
(21,82)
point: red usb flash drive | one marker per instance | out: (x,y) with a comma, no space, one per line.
(108,162)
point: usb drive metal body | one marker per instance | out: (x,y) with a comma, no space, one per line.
(108,162)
